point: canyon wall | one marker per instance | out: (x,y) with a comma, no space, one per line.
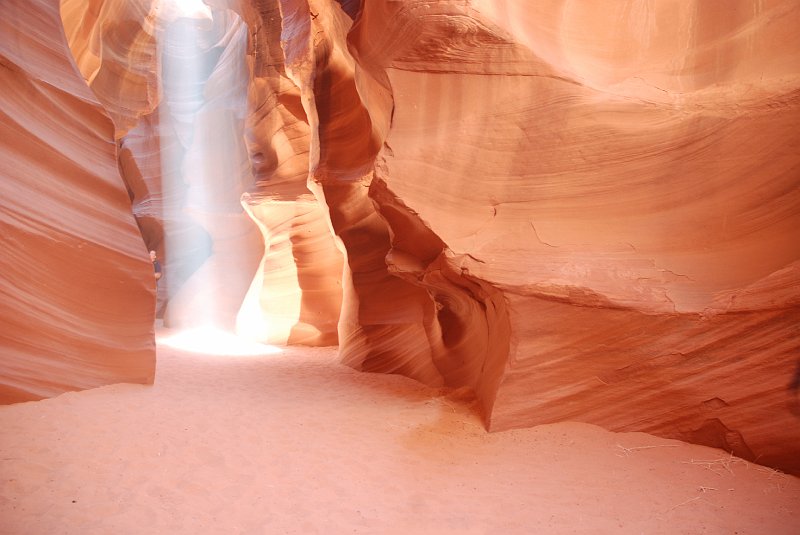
(600,204)
(77,288)
(214,146)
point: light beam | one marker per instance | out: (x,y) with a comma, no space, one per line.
(205,169)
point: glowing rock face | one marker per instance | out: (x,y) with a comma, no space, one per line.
(579,213)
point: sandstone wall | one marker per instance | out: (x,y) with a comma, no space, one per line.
(625,179)
(201,157)
(77,288)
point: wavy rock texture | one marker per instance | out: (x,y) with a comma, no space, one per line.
(298,296)
(298,290)
(113,42)
(627,177)
(77,289)
(212,270)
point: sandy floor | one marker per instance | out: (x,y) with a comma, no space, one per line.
(295,443)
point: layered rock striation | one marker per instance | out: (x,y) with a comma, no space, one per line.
(600,206)
(211,131)
(77,289)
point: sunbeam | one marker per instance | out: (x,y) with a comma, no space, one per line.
(211,260)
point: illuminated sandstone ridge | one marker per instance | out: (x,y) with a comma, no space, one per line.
(77,289)
(578,213)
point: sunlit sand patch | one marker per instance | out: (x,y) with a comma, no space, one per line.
(213,341)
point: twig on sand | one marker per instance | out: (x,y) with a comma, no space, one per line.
(714,465)
(777,484)
(699,497)
(771,471)
(627,451)
(690,500)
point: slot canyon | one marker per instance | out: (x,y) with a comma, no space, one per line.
(532,213)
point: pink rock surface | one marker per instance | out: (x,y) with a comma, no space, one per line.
(627,180)
(199,169)
(297,295)
(77,287)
